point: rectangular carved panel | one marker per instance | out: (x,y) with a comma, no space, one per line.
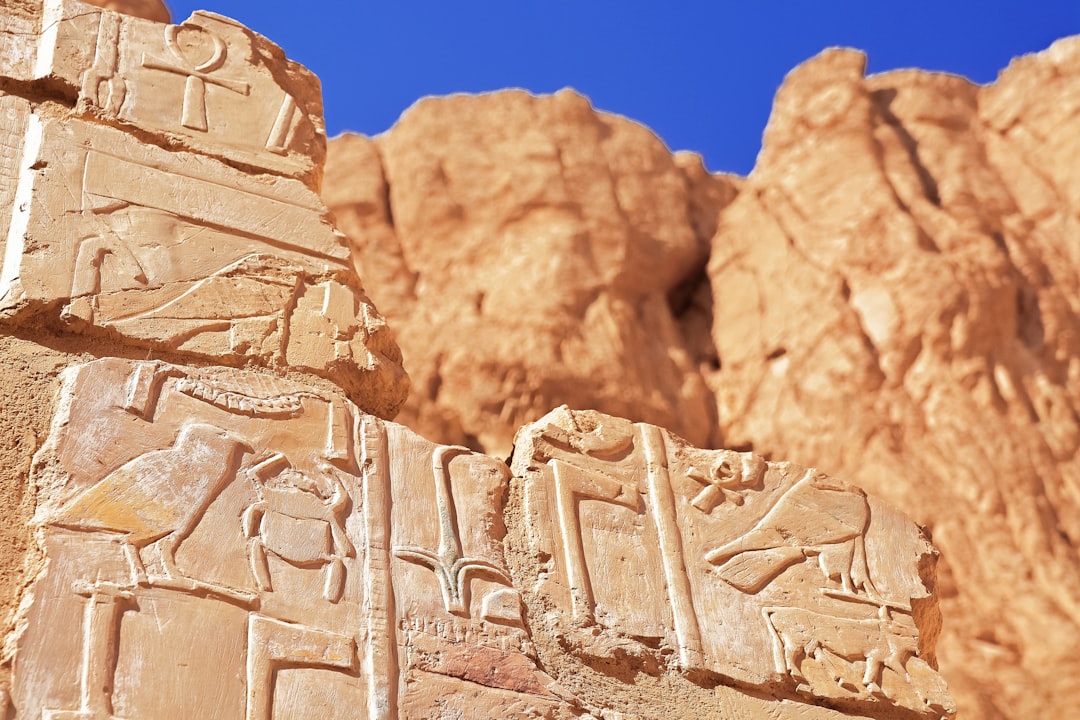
(208,84)
(722,565)
(182,253)
(176,582)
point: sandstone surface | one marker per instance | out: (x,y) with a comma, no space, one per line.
(223,543)
(911,312)
(528,251)
(209,513)
(891,294)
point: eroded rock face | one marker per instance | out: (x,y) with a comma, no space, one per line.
(910,312)
(891,294)
(529,250)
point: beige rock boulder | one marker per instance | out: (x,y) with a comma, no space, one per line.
(155,10)
(530,250)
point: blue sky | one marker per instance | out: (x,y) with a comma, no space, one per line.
(701,74)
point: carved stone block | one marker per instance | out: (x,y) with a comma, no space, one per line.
(207,84)
(161,533)
(108,235)
(723,565)
(220,543)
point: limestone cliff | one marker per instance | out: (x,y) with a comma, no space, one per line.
(528,250)
(155,10)
(891,293)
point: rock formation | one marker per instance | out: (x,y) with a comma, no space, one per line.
(211,515)
(891,294)
(546,247)
(155,10)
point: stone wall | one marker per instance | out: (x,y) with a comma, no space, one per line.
(209,511)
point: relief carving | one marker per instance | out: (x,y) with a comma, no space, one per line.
(817,517)
(770,574)
(200,83)
(104,604)
(273,644)
(15,114)
(101,86)
(451,569)
(881,642)
(198,259)
(196,54)
(156,499)
(298,517)
(281,133)
(572,484)
(213,510)
(241,532)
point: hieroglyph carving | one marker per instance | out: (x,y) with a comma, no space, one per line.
(228,544)
(457,611)
(206,527)
(174,203)
(451,569)
(186,42)
(172,251)
(208,83)
(299,517)
(815,518)
(889,640)
(156,499)
(764,573)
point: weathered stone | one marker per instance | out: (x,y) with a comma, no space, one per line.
(553,238)
(647,552)
(220,543)
(208,84)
